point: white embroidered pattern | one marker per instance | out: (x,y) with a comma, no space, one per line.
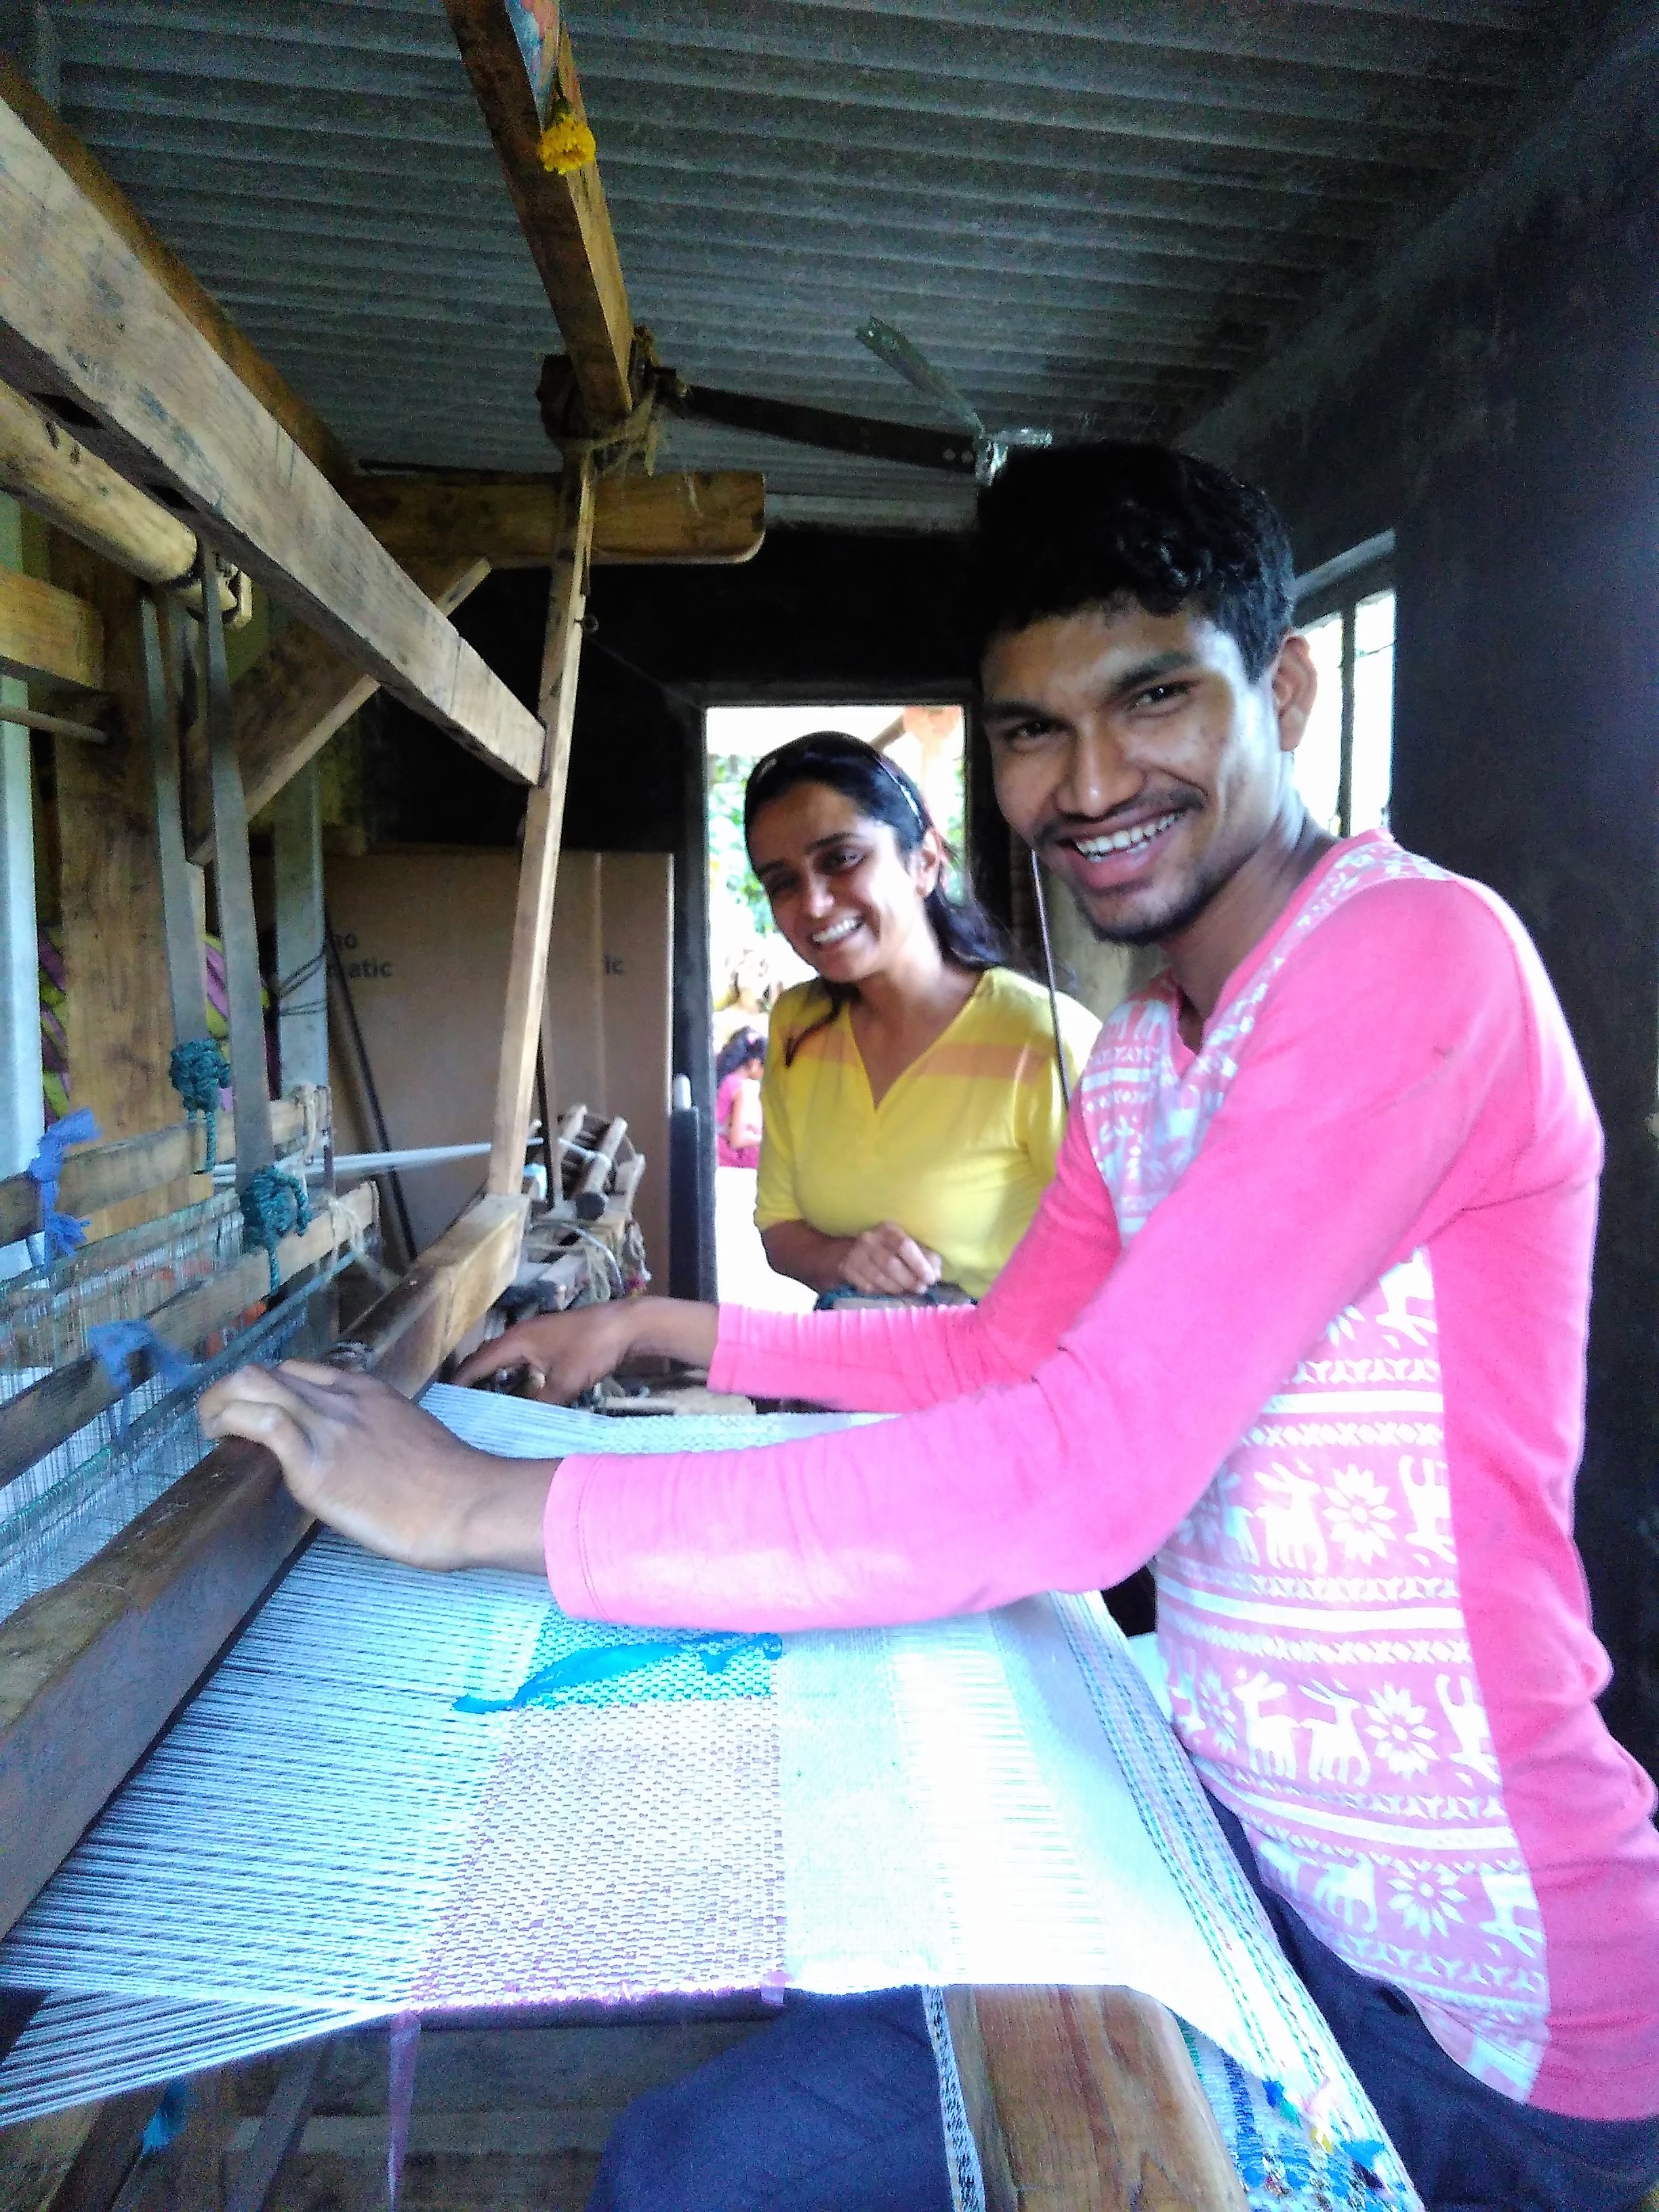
(1309,1607)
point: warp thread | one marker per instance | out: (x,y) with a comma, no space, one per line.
(198,1071)
(273,1204)
(603,1662)
(61,1232)
(405,2050)
(118,1345)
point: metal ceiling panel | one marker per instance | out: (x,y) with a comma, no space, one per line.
(1091,216)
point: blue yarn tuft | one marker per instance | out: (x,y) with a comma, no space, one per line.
(117,1345)
(603,1662)
(61,1232)
(273,1204)
(167,2121)
(198,1071)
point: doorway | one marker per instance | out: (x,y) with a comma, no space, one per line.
(749,963)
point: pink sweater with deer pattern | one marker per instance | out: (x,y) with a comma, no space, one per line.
(1301,1318)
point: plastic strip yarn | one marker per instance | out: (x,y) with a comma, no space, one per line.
(990,1800)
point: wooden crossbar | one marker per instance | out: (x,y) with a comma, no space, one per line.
(97,1175)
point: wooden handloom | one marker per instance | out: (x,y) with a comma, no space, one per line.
(143,426)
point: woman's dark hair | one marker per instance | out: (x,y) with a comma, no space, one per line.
(882,791)
(1076,526)
(737,1052)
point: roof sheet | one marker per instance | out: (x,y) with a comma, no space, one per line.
(1090,215)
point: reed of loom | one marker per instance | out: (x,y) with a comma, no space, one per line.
(1082,2097)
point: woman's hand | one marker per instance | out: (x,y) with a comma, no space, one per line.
(566,1353)
(381,1471)
(885,1261)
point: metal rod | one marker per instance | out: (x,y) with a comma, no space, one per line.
(55,725)
(1040,896)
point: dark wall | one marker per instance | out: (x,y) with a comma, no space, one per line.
(1490,401)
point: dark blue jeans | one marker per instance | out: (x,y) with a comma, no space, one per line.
(833,2109)
(1468,2148)
(836,2109)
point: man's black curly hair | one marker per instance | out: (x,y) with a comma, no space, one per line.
(1067,527)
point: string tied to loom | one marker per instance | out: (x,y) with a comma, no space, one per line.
(61,1232)
(273,1204)
(198,1071)
(605,1663)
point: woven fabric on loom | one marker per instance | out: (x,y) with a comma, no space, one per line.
(989,1800)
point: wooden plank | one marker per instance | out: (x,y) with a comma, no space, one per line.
(48,469)
(83,325)
(512,520)
(96,1176)
(110,2136)
(306,428)
(295,697)
(92,1671)
(564,219)
(118,1014)
(49,634)
(1085,2100)
(408,1334)
(36,1420)
(538,866)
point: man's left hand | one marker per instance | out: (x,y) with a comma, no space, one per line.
(365,1460)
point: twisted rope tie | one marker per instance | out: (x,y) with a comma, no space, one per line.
(198,1071)
(61,1232)
(273,1204)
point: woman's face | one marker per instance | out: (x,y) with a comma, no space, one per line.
(847,898)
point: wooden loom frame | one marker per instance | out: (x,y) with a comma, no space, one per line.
(1077,2097)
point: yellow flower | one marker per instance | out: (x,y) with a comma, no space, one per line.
(567,143)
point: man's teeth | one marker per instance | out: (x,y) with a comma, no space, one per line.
(1124,841)
(835,933)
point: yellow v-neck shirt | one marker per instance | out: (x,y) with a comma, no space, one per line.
(960,1149)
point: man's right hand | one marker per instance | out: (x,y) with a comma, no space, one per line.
(566,1353)
(886,1262)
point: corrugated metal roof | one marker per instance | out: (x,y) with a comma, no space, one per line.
(1086,214)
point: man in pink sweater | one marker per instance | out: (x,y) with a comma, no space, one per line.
(1301,1321)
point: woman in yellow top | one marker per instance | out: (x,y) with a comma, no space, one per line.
(911,1105)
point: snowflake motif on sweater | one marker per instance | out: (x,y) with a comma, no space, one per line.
(1308,1607)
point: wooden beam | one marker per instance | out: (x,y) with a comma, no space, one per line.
(49,634)
(70,487)
(92,1671)
(1085,2098)
(538,866)
(295,697)
(564,219)
(512,522)
(85,325)
(99,1175)
(306,428)
(118,1014)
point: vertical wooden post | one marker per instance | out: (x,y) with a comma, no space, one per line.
(544,821)
(118,1015)
(302,1010)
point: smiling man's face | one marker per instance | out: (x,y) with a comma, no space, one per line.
(1133,752)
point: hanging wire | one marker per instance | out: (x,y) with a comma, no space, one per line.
(1040,897)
